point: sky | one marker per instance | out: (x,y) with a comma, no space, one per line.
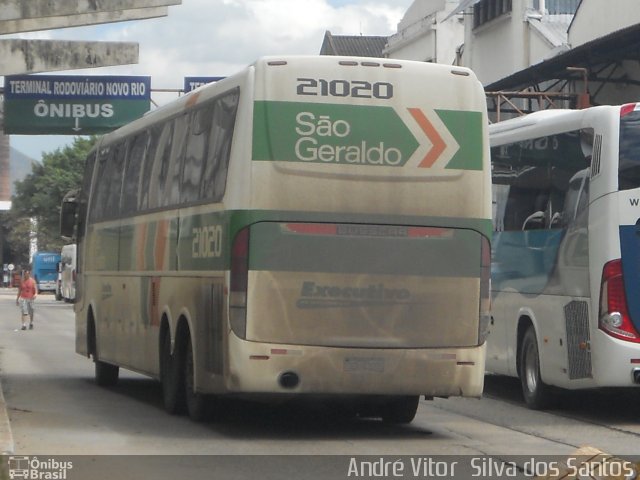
(219,38)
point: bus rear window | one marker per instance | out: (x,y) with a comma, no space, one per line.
(629,170)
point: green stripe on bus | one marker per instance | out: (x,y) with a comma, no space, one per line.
(355,134)
(331,133)
(204,242)
(466,128)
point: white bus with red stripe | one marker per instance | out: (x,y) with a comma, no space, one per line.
(566,250)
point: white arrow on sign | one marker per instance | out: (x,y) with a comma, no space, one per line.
(77,128)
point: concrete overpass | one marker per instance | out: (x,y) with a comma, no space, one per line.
(32,56)
(18,56)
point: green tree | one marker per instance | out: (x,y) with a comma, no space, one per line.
(39,196)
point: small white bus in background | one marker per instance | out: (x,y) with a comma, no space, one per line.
(566,250)
(67,274)
(309,227)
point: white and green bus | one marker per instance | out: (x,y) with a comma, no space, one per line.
(308,227)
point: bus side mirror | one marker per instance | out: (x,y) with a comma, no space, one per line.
(68,213)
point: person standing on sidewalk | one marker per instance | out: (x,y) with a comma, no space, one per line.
(27,293)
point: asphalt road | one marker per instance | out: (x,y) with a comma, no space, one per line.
(55,409)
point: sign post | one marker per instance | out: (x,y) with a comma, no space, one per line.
(73,105)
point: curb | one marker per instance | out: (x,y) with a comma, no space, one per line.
(590,462)
(6,437)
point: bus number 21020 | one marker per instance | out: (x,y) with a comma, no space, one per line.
(344,88)
(207,242)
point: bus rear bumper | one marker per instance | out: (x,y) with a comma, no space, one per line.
(616,363)
(295,369)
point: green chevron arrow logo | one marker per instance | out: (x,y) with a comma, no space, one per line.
(358,135)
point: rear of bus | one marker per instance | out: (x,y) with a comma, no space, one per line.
(45,270)
(362,265)
(615,249)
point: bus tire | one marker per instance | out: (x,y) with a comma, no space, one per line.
(400,410)
(537,395)
(106,374)
(196,402)
(171,378)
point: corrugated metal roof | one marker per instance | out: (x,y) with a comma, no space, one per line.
(353,45)
(615,47)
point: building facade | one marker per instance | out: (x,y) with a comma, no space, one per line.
(573,52)
(428,33)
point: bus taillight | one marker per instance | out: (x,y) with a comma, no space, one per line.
(238,282)
(627,109)
(614,317)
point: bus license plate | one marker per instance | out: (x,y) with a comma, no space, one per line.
(364,365)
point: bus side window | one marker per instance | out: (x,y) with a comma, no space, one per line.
(523,187)
(160,166)
(149,158)
(130,188)
(174,178)
(115,172)
(525,209)
(214,178)
(195,154)
(500,195)
(539,171)
(84,194)
(101,186)
(577,198)
(88,172)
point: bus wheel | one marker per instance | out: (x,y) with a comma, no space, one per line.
(171,377)
(400,410)
(537,394)
(106,374)
(196,402)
